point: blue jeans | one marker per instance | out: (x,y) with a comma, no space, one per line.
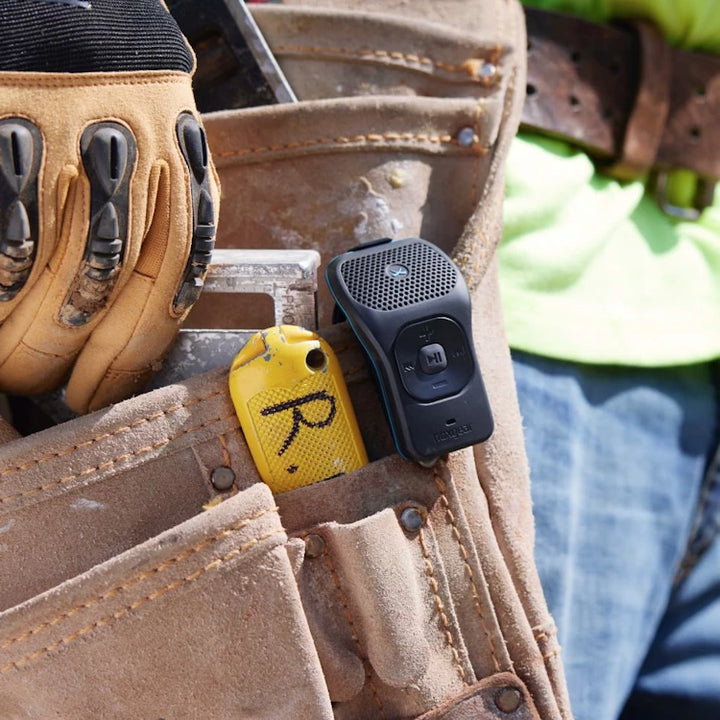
(626,493)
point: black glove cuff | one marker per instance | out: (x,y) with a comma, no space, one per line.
(90,36)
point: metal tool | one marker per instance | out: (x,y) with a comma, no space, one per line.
(236,68)
(288,276)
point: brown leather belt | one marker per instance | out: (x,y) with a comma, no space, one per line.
(626,97)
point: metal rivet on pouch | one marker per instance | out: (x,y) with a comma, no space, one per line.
(412,519)
(466,137)
(508,700)
(222,478)
(314,546)
(487,70)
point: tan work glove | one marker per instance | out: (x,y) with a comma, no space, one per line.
(108,197)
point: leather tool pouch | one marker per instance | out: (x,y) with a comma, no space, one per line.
(390,592)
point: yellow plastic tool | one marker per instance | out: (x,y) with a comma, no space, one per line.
(294,408)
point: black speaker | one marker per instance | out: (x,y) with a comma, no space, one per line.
(410,308)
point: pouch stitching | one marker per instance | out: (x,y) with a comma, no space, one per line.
(440,607)
(224,445)
(466,68)
(353,632)
(552,654)
(547,633)
(143,576)
(110,463)
(544,633)
(468,569)
(108,619)
(140,421)
(369,138)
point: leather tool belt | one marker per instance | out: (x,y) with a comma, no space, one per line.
(146,572)
(626,97)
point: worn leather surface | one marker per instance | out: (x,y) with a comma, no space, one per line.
(330,605)
(622,94)
(7,431)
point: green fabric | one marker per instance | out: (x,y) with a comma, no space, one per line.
(591,269)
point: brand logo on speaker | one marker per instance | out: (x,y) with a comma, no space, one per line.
(397,271)
(452,433)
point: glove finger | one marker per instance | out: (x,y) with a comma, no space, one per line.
(45,332)
(21,157)
(128,329)
(28,362)
(128,345)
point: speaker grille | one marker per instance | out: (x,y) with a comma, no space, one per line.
(370,281)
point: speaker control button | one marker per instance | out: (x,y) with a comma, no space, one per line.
(433,358)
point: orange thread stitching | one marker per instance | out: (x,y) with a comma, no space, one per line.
(99,438)
(440,607)
(468,569)
(349,617)
(115,461)
(464,68)
(143,576)
(148,598)
(342,140)
(552,654)
(539,635)
(225,453)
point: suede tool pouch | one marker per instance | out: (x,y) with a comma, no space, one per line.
(393,588)
(400,592)
(203,620)
(394,591)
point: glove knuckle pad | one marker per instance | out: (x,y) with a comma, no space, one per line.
(21,150)
(109,153)
(194,149)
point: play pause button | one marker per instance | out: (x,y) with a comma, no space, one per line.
(432,358)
